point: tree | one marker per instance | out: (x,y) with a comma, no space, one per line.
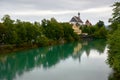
(11,36)
(2,33)
(100,33)
(114,52)
(69,34)
(21,32)
(7,21)
(114,40)
(53,30)
(116,13)
(115,20)
(100,23)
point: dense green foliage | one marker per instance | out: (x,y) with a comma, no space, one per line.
(96,31)
(114,56)
(100,23)
(21,33)
(116,13)
(114,41)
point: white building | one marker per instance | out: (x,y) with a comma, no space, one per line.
(76,21)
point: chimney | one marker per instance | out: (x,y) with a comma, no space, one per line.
(78,14)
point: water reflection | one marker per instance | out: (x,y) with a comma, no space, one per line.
(114,76)
(87,46)
(16,64)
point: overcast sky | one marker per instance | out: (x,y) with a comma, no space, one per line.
(62,10)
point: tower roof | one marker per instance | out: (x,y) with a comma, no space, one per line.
(76,19)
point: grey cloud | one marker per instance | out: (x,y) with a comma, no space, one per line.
(55,5)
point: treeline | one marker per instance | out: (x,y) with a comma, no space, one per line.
(114,42)
(98,31)
(17,33)
(21,33)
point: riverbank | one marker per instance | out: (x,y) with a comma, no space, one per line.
(5,49)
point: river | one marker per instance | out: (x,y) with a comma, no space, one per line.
(84,60)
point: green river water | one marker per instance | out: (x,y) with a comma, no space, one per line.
(71,61)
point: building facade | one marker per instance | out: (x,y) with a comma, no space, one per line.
(77,22)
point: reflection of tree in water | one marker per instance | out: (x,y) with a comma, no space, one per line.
(98,45)
(15,64)
(114,76)
(87,46)
(20,62)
